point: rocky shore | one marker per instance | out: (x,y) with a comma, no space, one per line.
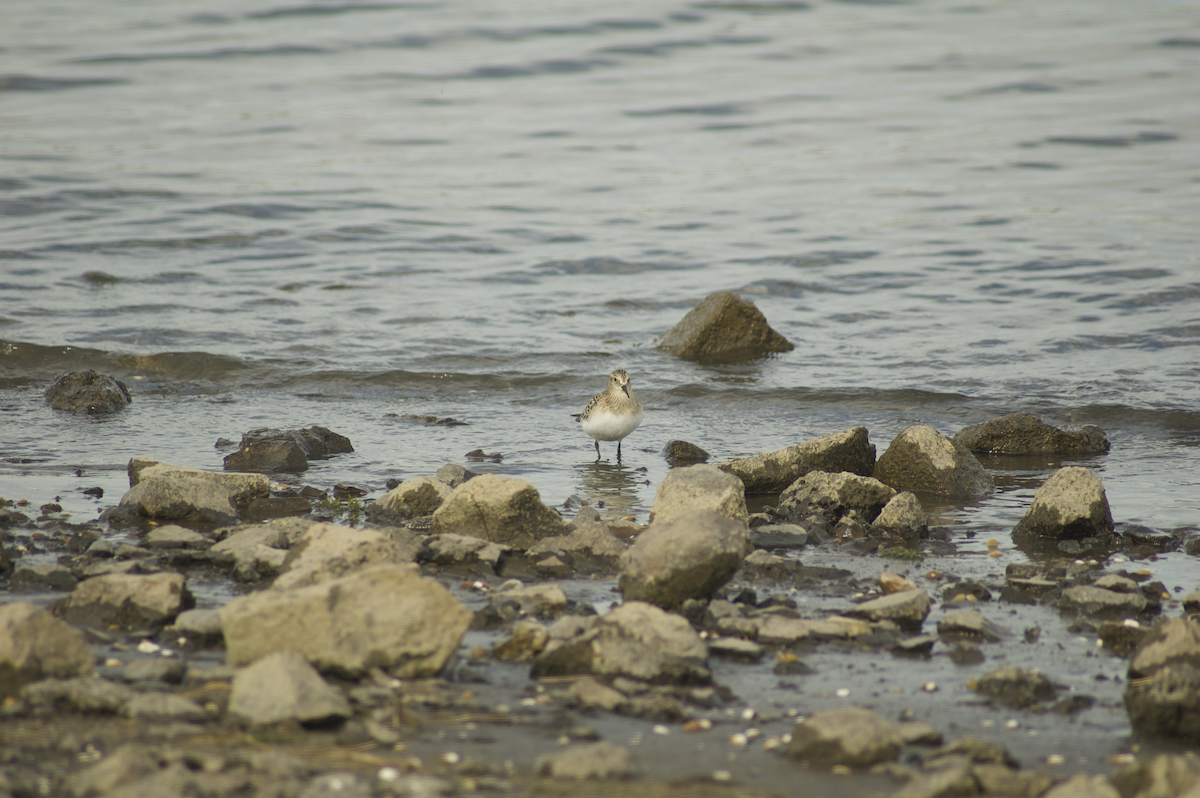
(456,635)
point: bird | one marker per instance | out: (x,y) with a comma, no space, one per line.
(612,415)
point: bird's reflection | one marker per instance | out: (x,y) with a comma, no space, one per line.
(610,487)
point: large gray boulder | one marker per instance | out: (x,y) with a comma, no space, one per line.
(852,737)
(689,557)
(1025,433)
(773,471)
(384,617)
(1163,694)
(88,392)
(723,327)
(833,495)
(699,487)
(328,551)
(243,487)
(1071,504)
(35,645)
(285,450)
(183,498)
(412,498)
(635,640)
(131,601)
(281,687)
(921,459)
(499,509)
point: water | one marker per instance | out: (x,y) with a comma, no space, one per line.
(338,214)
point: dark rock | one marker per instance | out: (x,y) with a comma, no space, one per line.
(683,453)
(1100,603)
(772,472)
(1163,695)
(723,327)
(1024,433)
(35,645)
(88,392)
(691,556)
(454,475)
(1018,688)
(276,507)
(833,496)
(1071,504)
(917,646)
(921,459)
(43,576)
(275,450)
(1164,774)
(977,590)
(479,456)
(779,536)
(965,652)
(434,421)
(853,737)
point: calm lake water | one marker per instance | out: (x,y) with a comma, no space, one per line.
(263,214)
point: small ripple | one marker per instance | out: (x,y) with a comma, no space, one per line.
(34,83)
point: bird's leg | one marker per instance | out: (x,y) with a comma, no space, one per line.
(597,451)
(618,451)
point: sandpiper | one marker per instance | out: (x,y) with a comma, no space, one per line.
(612,415)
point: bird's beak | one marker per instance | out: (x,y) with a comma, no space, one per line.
(625,388)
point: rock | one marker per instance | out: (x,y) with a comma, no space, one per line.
(852,736)
(907,609)
(156,706)
(171,536)
(971,625)
(1163,694)
(699,487)
(258,550)
(181,498)
(500,509)
(591,693)
(130,601)
(412,498)
(1116,583)
(277,450)
(537,600)
(683,453)
(832,496)
(635,640)
(463,551)
(243,488)
(387,617)
(88,392)
(580,762)
(902,519)
(328,551)
(723,327)
(42,576)
(527,641)
(454,475)
(125,765)
(1002,780)
(589,545)
(1071,504)
(1164,774)
(781,630)
(200,626)
(968,590)
(951,779)
(779,536)
(1018,688)
(276,507)
(35,645)
(736,648)
(691,556)
(159,669)
(282,686)
(772,472)
(82,694)
(1120,638)
(1025,433)
(348,784)
(1081,785)
(894,583)
(924,460)
(1100,603)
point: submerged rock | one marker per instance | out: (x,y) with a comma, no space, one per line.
(1019,688)
(684,453)
(500,509)
(924,460)
(88,392)
(1071,504)
(689,557)
(35,645)
(131,601)
(774,471)
(832,496)
(699,487)
(283,686)
(852,737)
(386,617)
(279,450)
(1025,433)
(723,327)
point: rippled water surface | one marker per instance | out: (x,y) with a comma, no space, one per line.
(262,214)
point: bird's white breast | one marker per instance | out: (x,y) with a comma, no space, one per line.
(604,425)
